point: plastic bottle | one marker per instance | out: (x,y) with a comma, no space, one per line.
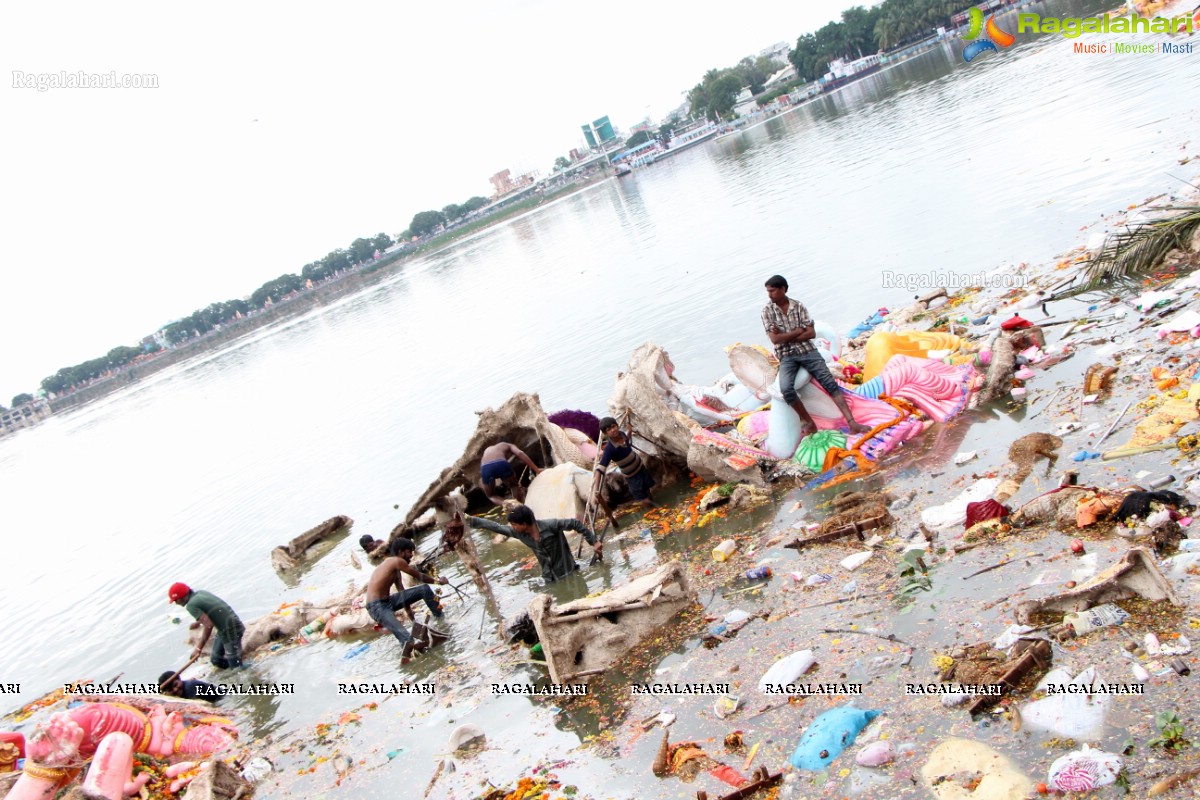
(758,573)
(724,550)
(1095,618)
(1161,481)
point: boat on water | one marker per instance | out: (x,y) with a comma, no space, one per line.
(623,169)
(690,139)
(842,72)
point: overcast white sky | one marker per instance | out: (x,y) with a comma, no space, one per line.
(281,131)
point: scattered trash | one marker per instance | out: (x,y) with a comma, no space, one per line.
(875,754)
(256,769)
(1073,715)
(464,735)
(726,705)
(786,670)
(964,457)
(821,577)
(1084,770)
(993,775)
(724,550)
(356,651)
(855,561)
(1082,622)
(954,513)
(1135,574)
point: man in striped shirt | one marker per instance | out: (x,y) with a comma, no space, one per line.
(790,329)
(619,450)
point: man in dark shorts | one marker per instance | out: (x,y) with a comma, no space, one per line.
(494,466)
(545,537)
(790,329)
(382,604)
(619,450)
(212,613)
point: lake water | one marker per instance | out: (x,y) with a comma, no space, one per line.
(195,474)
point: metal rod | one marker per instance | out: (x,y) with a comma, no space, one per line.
(1112,427)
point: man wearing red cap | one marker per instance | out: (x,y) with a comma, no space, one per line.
(212,613)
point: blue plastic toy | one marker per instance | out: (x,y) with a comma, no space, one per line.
(828,735)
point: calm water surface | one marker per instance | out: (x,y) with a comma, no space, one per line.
(197,473)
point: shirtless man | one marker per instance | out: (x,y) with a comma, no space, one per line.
(382,605)
(494,466)
(790,329)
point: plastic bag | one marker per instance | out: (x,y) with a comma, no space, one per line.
(787,670)
(1084,770)
(1070,715)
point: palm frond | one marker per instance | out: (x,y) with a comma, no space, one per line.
(1130,254)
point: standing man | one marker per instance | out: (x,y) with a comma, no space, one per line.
(212,613)
(382,605)
(619,449)
(545,537)
(494,467)
(790,329)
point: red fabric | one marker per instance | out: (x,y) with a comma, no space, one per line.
(728,775)
(983,511)
(178,591)
(1015,322)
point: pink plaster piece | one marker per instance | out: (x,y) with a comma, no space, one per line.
(111,767)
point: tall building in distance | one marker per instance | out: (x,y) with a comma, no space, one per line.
(599,133)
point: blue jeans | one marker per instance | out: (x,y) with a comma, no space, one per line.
(790,364)
(227,654)
(384,611)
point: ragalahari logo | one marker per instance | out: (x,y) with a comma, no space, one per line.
(995,36)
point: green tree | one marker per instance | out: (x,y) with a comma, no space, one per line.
(425,221)
(21,399)
(723,95)
(361,250)
(641,137)
(476,203)
(452,212)
(561,163)
(382,242)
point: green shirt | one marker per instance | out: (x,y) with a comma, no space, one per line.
(227,623)
(553,552)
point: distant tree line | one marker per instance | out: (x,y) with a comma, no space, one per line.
(426,222)
(215,315)
(716,95)
(860,32)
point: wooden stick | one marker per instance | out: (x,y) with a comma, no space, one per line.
(584,674)
(179,671)
(891,637)
(596,612)
(1046,405)
(1115,421)
(1001,564)
(843,600)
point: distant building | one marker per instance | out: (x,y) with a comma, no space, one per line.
(745,103)
(777,52)
(24,416)
(575,155)
(502,183)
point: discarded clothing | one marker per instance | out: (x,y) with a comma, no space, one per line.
(984,510)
